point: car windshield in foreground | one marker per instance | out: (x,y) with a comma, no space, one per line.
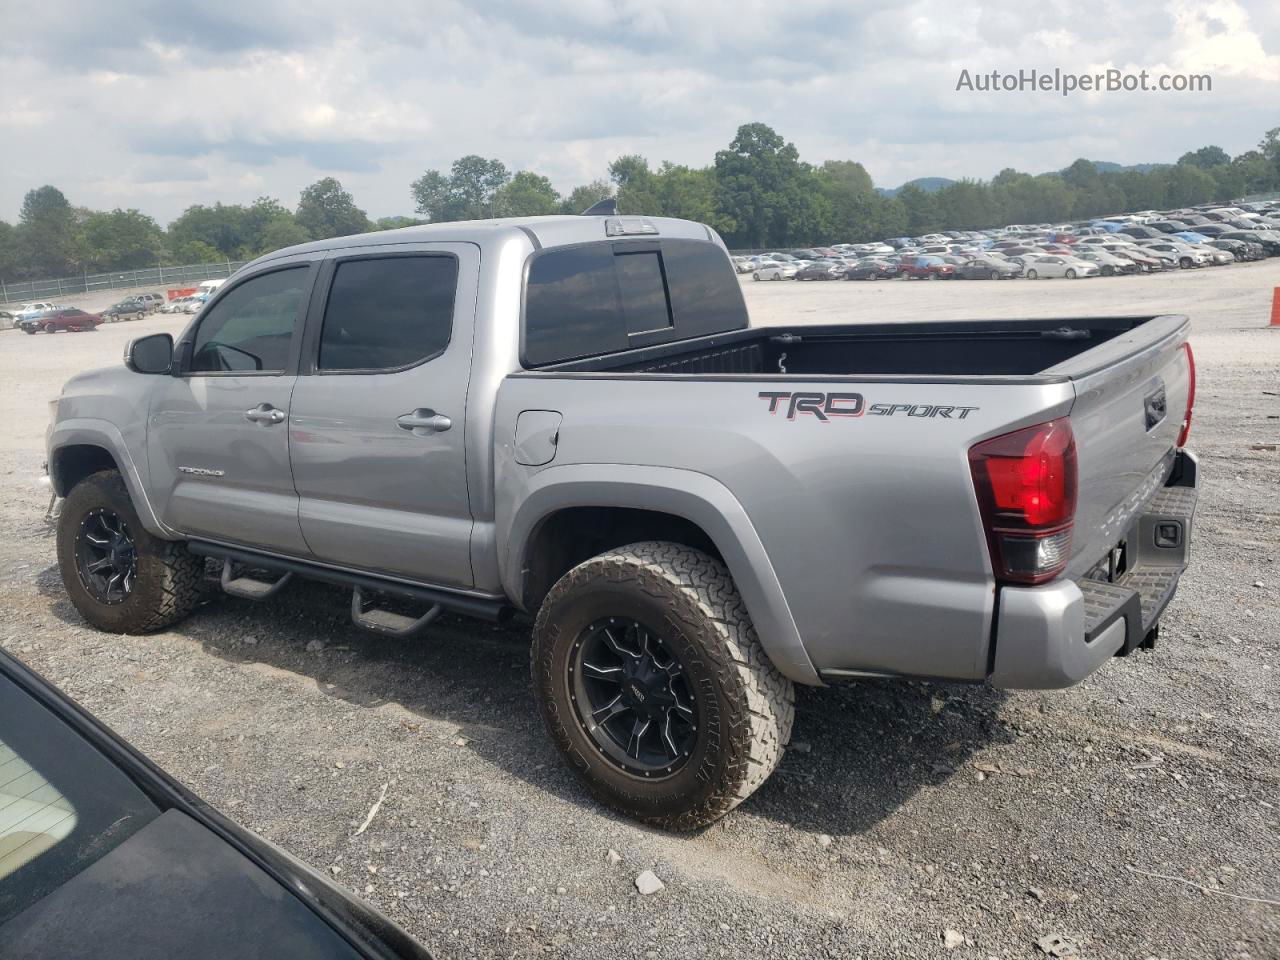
(63,805)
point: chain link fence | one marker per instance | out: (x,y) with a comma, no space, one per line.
(160,277)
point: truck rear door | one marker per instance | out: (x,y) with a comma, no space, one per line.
(378,413)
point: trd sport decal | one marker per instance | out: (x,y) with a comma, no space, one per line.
(821,405)
(824,406)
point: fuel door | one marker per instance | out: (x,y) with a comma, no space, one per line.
(537,434)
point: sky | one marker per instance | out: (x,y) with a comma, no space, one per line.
(160,105)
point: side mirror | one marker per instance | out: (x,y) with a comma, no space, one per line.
(153,354)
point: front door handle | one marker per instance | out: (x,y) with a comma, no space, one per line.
(264,413)
(423,421)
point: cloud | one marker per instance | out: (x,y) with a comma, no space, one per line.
(138,103)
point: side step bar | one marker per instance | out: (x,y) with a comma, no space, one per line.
(387,623)
(248,587)
(493,609)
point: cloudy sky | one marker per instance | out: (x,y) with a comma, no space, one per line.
(139,103)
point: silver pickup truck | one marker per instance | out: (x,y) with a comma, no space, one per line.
(572,418)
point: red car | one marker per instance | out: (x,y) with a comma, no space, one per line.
(63,318)
(926,268)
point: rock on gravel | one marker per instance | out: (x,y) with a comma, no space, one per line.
(648,883)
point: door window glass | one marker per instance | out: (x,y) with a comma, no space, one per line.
(251,327)
(388,313)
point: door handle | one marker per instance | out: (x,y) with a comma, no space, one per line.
(427,421)
(264,413)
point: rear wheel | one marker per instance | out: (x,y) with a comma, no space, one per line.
(1031,274)
(755,276)
(117,575)
(654,686)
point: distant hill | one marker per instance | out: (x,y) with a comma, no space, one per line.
(927,184)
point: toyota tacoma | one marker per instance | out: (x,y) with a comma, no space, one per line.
(571,418)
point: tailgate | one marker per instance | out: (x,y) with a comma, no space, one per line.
(1131,397)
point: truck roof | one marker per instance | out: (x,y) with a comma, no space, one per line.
(541,232)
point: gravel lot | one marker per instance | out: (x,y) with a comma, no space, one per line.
(902,811)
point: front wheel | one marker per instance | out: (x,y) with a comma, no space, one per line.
(50,328)
(118,576)
(1071,274)
(654,686)
(994,275)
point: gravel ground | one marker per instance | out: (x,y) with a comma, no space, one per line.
(908,820)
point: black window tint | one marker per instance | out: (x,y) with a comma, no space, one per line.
(600,297)
(388,313)
(644,291)
(571,305)
(251,327)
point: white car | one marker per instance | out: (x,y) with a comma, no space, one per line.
(1051,265)
(31,309)
(775,271)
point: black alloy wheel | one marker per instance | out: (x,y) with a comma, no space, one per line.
(632,697)
(106,557)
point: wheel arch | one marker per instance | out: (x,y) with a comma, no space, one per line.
(78,448)
(570,513)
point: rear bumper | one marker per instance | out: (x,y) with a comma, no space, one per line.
(1056,635)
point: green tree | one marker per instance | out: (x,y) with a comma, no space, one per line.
(582,198)
(467,193)
(1083,174)
(47,233)
(526,195)
(326,210)
(10,257)
(281,232)
(921,210)
(194,251)
(121,240)
(395,223)
(764,192)
(1206,157)
(1186,185)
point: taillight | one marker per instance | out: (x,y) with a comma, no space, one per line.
(1026,487)
(1191,396)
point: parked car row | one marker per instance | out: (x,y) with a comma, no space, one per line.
(1146,242)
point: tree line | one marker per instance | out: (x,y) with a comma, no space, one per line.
(757,193)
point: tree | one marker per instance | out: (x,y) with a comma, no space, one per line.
(847,174)
(526,195)
(10,257)
(47,233)
(469,191)
(765,195)
(395,223)
(326,210)
(582,198)
(1082,174)
(281,232)
(121,240)
(920,207)
(1206,157)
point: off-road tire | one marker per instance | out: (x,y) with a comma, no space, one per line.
(747,706)
(169,580)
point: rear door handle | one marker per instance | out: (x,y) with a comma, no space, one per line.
(264,413)
(423,421)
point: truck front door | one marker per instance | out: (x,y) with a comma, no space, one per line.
(378,415)
(218,437)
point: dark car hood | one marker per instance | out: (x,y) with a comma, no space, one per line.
(174,889)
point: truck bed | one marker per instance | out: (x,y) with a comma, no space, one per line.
(959,348)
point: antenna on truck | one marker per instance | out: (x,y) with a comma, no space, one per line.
(607,207)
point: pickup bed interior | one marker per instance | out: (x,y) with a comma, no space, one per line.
(952,348)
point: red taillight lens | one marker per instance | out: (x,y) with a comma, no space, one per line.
(1191,396)
(1026,487)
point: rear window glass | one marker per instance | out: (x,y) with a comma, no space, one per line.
(62,804)
(387,313)
(599,298)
